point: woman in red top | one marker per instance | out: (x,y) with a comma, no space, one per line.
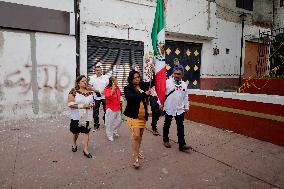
(113,115)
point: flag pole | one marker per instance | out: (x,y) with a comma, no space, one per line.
(158,43)
(152,73)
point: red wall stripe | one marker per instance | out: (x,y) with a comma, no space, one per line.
(267,108)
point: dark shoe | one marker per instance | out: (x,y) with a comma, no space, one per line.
(87,155)
(167,145)
(155,132)
(74,149)
(96,127)
(184,148)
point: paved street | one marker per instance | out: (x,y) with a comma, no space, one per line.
(37,154)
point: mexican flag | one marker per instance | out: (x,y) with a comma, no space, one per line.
(158,42)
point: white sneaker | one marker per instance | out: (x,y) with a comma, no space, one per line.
(110,138)
(115,135)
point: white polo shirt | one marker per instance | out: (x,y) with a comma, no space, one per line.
(99,83)
(177,102)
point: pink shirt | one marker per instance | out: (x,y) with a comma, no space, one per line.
(113,101)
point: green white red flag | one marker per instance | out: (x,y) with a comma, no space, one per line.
(158,42)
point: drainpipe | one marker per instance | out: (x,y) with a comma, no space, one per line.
(273,14)
(242,17)
(77,35)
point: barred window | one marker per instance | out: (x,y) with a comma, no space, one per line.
(245,4)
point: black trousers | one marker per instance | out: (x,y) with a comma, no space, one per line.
(180,128)
(156,113)
(96,110)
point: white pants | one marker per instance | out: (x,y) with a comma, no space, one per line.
(112,122)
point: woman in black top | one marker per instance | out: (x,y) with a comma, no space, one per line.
(136,94)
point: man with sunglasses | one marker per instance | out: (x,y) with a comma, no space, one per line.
(176,105)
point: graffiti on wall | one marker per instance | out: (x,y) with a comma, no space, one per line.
(48,77)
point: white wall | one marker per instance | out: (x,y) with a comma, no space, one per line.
(222,65)
(30,59)
(195,18)
(54,57)
(63,5)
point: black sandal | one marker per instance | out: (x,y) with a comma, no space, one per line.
(87,155)
(74,149)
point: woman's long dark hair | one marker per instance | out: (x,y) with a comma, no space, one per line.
(78,79)
(111,80)
(131,76)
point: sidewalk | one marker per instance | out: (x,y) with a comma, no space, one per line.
(37,154)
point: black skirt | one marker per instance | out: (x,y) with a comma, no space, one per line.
(75,128)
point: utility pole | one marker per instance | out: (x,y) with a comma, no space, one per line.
(77,34)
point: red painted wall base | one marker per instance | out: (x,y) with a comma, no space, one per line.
(254,126)
(270,86)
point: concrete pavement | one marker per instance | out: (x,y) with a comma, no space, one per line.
(37,154)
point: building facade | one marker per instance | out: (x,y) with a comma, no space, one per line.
(279,14)
(37,57)
(205,35)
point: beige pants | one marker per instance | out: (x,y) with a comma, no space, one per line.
(113,121)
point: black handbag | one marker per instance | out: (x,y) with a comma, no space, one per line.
(98,94)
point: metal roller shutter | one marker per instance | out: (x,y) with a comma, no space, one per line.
(125,54)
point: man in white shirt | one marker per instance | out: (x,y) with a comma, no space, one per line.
(99,82)
(176,105)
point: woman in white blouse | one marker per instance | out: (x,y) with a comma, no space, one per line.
(80,101)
